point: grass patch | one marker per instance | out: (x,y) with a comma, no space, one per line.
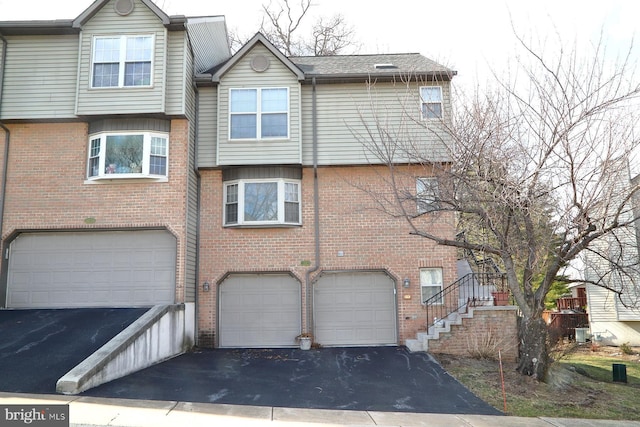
(600,367)
(580,385)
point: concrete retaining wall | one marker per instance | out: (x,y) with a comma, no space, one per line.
(160,334)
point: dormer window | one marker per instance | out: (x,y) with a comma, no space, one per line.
(122,61)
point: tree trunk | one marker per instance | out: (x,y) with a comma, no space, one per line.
(534,359)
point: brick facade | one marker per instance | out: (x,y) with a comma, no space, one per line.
(351,224)
(490,328)
(47,187)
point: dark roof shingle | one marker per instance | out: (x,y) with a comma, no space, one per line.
(388,64)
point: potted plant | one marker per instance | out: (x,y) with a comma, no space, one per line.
(305,340)
(500,297)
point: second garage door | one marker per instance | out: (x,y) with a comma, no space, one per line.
(354,308)
(259,311)
(92,269)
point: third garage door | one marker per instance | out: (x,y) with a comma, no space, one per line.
(354,308)
(259,311)
(92,269)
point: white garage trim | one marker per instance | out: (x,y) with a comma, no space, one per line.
(355,309)
(91,269)
(259,311)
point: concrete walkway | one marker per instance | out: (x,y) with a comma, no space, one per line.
(92,411)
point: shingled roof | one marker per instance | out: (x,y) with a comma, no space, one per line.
(346,67)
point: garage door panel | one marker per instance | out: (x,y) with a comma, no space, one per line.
(91,269)
(259,310)
(355,308)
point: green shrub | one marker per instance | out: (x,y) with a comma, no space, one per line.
(625,348)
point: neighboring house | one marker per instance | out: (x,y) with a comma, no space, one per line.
(146,166)
(98,129)
(615,319)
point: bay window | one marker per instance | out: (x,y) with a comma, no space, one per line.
(128,155)
(261,202)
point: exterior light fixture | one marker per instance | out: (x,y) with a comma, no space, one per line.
(206,287)
(406,282)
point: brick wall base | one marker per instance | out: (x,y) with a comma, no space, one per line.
(206,339)
(491,329)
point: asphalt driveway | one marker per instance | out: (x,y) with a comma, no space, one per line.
(37,347)
(359,378)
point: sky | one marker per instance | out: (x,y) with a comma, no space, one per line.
(469,36)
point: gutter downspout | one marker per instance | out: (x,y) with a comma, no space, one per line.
(5,161)
(316,208)
(196,135)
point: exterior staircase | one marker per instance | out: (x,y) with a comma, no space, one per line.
(479,281)
(442,326)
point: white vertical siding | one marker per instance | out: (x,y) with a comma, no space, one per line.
(350,116)
(267,151)
(209,40)
(207,123)
(122,100)
(40,77)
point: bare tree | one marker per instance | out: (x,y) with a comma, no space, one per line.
(537,175)
(282,24)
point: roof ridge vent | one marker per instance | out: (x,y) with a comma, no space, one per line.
(384,66)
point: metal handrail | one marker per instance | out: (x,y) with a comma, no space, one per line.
(470,290)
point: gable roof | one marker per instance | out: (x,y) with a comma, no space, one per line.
(221,70)
(74,26)
(341,68)
(344,68)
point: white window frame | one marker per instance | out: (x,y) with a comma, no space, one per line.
(281,201)
(101,155)
(427,190)
(424,104)
(122,60)
(431,278)
(259,113)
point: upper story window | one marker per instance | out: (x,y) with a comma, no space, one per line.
(431,102)
(259,113)
(427,194)
(128,155)
(262,202)
(122,61)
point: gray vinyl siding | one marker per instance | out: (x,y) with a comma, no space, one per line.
(347,114)
(178,76)
(192,186)
(122,100)
(207,126)
(40,77)
(255,152)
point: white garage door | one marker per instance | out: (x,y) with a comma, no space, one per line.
(91,269)
(259,311)
(354,309)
